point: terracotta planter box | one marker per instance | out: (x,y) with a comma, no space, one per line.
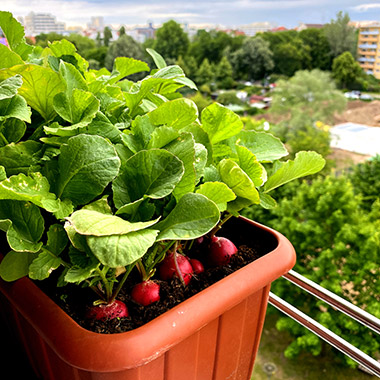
(214,335)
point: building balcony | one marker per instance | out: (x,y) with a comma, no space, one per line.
(366,59)
(370,32)
(368,46)
(367,52)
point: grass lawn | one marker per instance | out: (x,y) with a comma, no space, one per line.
(305,367)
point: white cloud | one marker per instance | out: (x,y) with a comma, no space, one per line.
(366,7)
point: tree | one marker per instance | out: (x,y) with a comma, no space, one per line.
(224,74)
(346,71)
(319,48)
(337,247)
(366,180)
(107,36)
(125,46)
(82,43)
(340,35)
(254,60)
(121,31)
(310,93)
(205,73)
(171,40)
(96,56)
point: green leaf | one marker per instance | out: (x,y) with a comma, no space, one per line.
(72,77)
(305,163)
(162,136)
(13,130)
(183,148)
(15,265)
(15,107)
(125,66)
(192,217)
(218,192)
(200,162)
(100,205)
(87,164)
(220,123)
(43,265)
(57,239)
(90,222)
(249,163)
(141,129)
(78,274)
(237,180)
(263,145)
(103,127)
(23,223)
(3,174)
(201,137)
(9,58)
(149,173)
(18,158)
(40,85)
(121,250)
(78,107)
(157,58)
(34,188)
(62,47)
(177,113)
(13,30)
(267,202)
(10,86)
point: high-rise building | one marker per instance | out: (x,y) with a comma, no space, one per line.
(36,23)
(96,23)
(369,49)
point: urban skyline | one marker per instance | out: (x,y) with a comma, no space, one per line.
(288,13)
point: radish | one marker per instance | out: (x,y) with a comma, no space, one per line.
(102,312)
(221,250)
(146,293)
(168,268)
(197,266)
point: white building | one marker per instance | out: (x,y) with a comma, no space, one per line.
(97,23)
(257,27)
(36,23)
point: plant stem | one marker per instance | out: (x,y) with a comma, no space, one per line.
(176,264)
(121,283)
(161,255)
(141,268)
(3,138)
(106,284)
(219,225)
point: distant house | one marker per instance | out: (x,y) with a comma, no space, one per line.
(259,101)
(303,26)
(279,29)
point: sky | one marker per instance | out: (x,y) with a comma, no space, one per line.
(229,13)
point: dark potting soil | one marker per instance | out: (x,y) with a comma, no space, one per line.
(72,300)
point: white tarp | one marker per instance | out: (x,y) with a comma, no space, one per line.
(356,138)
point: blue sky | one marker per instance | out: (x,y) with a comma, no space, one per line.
(229,13)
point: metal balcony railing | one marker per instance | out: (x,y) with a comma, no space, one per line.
(337,303)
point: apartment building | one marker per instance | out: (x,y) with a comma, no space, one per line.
(36,23)
(369,49)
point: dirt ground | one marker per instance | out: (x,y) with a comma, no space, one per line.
(360,112)
(344,159)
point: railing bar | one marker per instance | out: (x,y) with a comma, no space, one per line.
(334,300)
(336,341)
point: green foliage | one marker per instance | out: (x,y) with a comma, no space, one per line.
(118,169)
(107,36)
(340,35)
(125,46)
(229,97)
(205,73)
(200,101)
(224,74)
(346,71)
(366,180)
(311,94)
(318,46)
(336,245)
(254,60)
(171,41)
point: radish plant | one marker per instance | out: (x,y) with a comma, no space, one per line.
(101,176)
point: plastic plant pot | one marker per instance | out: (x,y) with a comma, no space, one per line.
(213,335)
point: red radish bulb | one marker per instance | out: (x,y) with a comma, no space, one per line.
(146,293)
(167,270)
(102,312)
(221,250)
(197,266)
